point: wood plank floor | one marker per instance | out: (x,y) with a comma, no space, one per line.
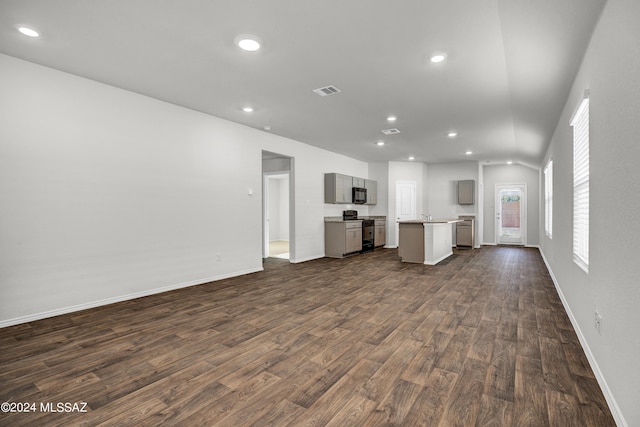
(479,340)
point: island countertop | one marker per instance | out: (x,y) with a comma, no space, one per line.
(433,221)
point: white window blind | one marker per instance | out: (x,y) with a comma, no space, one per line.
(580,125)
(548,199)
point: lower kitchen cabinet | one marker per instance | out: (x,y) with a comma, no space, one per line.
(342,238)
(380,237)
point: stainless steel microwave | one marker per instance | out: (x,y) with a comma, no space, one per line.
(359,195)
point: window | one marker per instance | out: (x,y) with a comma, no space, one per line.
(548,199)
(580,125)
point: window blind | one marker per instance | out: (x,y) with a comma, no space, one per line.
(580,125)
(548,199)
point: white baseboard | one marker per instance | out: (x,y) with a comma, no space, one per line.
(611,401)
(437,260)
(120,298)
(310,258)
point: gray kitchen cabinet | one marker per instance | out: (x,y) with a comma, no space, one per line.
(372,191)
(358,182)
(342,238)
(380,236)
(337,188)
(411,242)
(466,192)
(464,236)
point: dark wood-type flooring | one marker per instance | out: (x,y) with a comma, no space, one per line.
(481,339)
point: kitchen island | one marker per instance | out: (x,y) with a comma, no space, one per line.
(425,241)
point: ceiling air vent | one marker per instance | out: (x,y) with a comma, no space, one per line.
(327,90)
(390,131)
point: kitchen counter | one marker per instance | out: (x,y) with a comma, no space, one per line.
(339,219)
(433,221)
(425,241)
(360,218)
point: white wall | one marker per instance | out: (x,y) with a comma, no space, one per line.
(278,207)
(108,195)
(512,174)
(283,219)
(442,191)
(611,71)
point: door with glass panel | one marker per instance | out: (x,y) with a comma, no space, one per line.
(511,214)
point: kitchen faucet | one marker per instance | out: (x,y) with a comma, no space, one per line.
(427,217)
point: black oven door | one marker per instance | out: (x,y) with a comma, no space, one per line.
(359,195)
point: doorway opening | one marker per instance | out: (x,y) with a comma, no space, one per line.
(511,211)
(277,221)
(277,195)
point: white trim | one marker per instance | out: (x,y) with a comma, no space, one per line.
(606,391)
(548,199)
(265,208)
(310,258)
(580,106)
(581,184)
(113,300)
(437,260)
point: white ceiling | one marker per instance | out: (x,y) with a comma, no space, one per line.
(509,68)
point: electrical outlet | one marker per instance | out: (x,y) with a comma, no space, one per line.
(598,322)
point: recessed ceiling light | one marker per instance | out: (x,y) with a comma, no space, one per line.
(452,134)
(392,118)
(247,109)
(438,57)
(248,42)
(468,152)
(412,158)
(380,143)
(509,162)
(28,31)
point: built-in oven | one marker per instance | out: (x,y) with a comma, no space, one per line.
(368,229)
(368,233)
(359,195)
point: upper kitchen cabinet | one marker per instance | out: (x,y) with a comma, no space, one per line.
(466,192)
(337,188)
(372,191)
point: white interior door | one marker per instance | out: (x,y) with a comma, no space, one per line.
(405,203)
(511,214)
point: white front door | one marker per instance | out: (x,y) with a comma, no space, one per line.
(511,208)
(405,203)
